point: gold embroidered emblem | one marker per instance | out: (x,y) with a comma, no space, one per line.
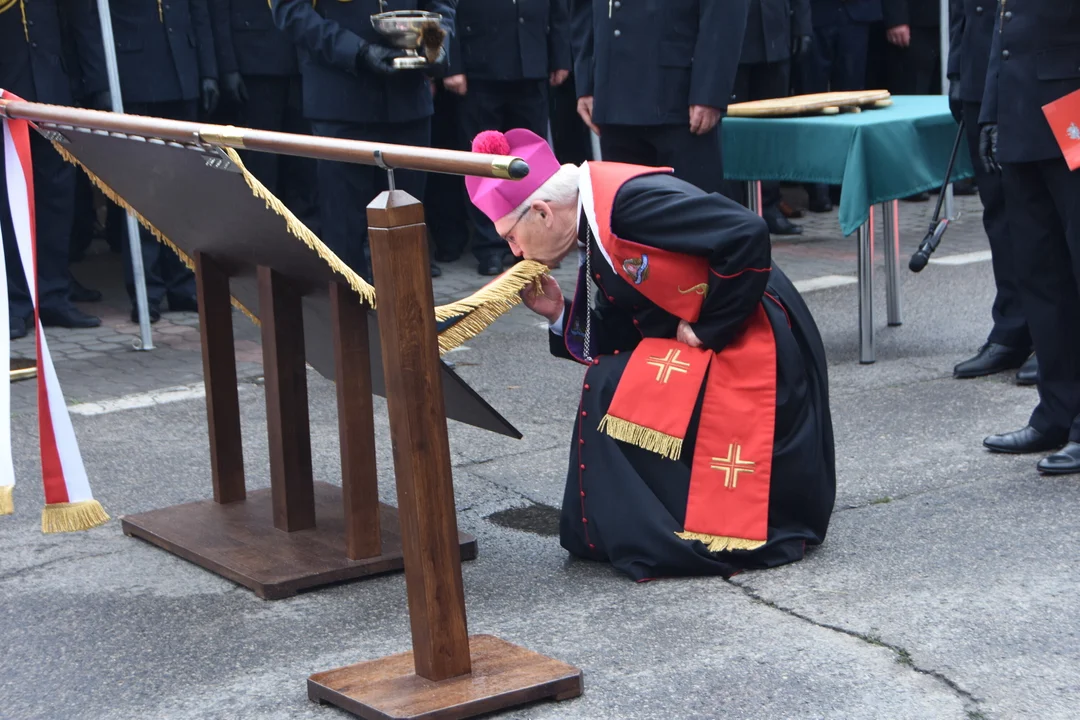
(700,289)
(732,465)
(668,364)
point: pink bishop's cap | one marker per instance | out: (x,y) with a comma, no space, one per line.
(497,198)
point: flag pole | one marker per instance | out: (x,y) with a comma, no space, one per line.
(944,39)
(146,341)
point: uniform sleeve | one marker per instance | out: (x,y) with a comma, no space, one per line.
(895,12)
(86,34)
(222,28)
(559,56)
(988,114)
(721,27)
(956,37)
(581,38)
(204,39)
(674,216)
(324,39)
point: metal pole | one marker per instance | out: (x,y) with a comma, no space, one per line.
(753,196)
(146,341)
(891,213)
(944,15)
(866,289)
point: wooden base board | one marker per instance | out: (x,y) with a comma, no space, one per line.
(239,541)
(503,675)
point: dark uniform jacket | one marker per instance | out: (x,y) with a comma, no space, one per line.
(971,30)
(500,40)
(843,12)
(917,13)
(1034,60)
(162,51)
(247,40)
(770,26)
(330,36)
(34,62)
(651,60)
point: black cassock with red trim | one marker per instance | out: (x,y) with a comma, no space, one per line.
(625,502)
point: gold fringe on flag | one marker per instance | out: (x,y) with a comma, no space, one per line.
(7,504)
(645,438)
(717,543)
(301,232)
(484,307)
(71,517)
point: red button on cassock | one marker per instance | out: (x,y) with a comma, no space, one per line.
(584,414)
(582,467)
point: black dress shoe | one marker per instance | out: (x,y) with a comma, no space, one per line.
(778,224)
(436,271)
(965,187)
(819,200)
(1026,440)
(19,327)
(991,358)
(183,303)
(69,317)
(1065,462)
(81,294)
(1028,374)
(489,266)
(155,314)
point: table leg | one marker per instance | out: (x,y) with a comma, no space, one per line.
(891,210)
(753,193)
(866,290)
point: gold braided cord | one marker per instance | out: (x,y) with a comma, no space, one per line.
(7,504)
(6,5)
(160,13)
(72,517)
(25,25)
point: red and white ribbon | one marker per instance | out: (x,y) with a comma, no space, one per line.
(69,504)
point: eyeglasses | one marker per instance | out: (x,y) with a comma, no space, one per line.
(510,232)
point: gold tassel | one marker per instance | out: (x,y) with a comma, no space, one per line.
(484,306)
(111,195)
(160,12)
(301,232)
(7,504)
(71,517)
(645,438)
(719,543)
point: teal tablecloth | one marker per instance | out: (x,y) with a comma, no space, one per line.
(877,155)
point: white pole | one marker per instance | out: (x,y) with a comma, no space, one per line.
(146,341)
(944,14)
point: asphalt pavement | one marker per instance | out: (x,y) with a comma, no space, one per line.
(946,587)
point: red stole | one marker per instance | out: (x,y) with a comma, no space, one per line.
(728,502)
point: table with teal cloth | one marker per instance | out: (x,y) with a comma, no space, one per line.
(876,155)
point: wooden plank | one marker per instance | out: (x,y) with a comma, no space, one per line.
(219,377)
(410,354)
(356,422)
(286,402)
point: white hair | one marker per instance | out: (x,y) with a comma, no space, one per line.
(559,189)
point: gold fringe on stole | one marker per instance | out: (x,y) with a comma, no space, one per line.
(111,195)
(302,233)
(70,517)
(484,307)
(667,445)
(717,543)
(7,504)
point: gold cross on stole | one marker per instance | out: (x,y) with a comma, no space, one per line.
(666,365)
(732,465)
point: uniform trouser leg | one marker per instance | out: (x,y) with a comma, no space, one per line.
(346,189)
(569,133)
(265,110)
(54,204)
(697,159)
(166,275)
(1010,326)
(762,81)
(1042,208)
(447,199)
(848,67)
(629,144)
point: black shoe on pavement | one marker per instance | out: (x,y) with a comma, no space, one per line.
(778,224)
(1025,440)
(991,358)
(489,266)
(819,200)
(1028,374)
(436,271)
(19,327)
(69,317)
(81,294)
(155,314)
(183,303)
(1065,462)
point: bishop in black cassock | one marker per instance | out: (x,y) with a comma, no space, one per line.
(703,442)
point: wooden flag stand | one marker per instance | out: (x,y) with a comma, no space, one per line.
(448,674)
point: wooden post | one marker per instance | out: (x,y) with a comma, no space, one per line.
(356,423)
(291,481)
(219,376)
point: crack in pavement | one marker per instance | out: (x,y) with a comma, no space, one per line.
(31,568)
(903,657)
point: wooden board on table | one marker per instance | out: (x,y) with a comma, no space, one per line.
(829,103)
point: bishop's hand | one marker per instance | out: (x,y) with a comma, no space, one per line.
(686,334)
(548,302)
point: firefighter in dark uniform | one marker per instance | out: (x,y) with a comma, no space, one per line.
(260,81)
(778,32)
(913,30)
(165,55)
(655,76)
(1035,60)
(502,58)
(33,67)
(971,30)
(352,91)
